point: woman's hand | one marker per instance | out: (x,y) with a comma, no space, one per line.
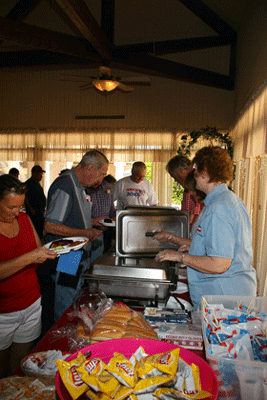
(41,254)
(162,237)
(168,255)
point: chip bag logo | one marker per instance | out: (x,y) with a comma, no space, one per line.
(75,377)
(164,359)
(126,368)
(92,366)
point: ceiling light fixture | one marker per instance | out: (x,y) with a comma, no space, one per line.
(105,85)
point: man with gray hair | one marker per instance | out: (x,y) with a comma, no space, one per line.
(134,190)
(69,214)
(178,168)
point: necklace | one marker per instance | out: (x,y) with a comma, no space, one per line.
(9,234)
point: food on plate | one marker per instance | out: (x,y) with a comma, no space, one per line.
(58,248)
(60,242)
(76,242)
(108,221)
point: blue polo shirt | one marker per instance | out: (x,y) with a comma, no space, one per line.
(224,230)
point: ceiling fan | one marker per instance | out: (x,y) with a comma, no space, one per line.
(105,82)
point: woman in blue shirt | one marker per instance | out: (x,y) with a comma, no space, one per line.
(219,261)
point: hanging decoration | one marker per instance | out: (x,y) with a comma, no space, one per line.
(207,133)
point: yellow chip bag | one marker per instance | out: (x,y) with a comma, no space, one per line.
(70,377)
(92,366)
(148,385)
(166,394)
(94,374)
(90,395)
(123,370)
(123,392)
(166,363)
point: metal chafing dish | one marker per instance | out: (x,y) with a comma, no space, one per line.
(132,272)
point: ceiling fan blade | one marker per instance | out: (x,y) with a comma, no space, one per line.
(86,86)
(124,88)
(72,80)
(136,80)
(80,76)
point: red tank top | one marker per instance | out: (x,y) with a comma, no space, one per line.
(22,289)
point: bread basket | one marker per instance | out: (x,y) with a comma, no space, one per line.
(47,380)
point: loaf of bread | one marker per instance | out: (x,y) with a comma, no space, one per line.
(120,322)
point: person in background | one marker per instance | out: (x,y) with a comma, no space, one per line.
(63,171)
(199,196)
(35,200)
(14,172)
(134,190)
(110,179)
(102,207)
(69,214)
(20,253)
(178,168)
(219,261)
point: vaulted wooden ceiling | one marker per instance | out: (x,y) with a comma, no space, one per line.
(92,43)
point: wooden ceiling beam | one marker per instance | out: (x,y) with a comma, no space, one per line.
(108,18)
(45,39)
(82,18)
(21,9)
(160,67)
(43,60)
(175,46)
(207,15)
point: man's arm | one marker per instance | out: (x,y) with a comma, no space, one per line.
(67,231)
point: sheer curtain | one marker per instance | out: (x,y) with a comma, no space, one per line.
(249,137)
(61,146)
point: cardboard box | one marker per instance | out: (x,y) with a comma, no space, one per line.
(188,336)
(238,379)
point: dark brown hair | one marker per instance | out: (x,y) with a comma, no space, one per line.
(10,184)
(216,162)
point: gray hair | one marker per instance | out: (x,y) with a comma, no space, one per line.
(138,165)
(94,157)
(178,162)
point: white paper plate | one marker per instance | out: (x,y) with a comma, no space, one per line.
(181,288)
(172,303)
(107,223)
(83,240)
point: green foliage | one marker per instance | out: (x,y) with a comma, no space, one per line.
(149,171)
(208,133)
(177,193)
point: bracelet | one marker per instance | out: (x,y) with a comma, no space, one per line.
(182,259)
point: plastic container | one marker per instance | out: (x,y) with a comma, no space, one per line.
(238,379)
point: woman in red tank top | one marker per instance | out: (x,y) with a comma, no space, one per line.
(20,253)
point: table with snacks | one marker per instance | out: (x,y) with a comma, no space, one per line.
(68,335)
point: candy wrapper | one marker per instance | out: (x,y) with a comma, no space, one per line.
(235,333)
(45,365)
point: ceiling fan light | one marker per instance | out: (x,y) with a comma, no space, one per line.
(105,85)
